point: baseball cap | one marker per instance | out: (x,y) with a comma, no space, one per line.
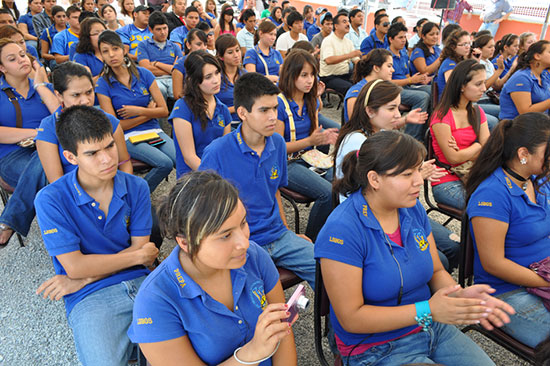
(320,10)
(322,19)
(139,8)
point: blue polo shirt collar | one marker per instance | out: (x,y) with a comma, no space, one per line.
(260,51)
(81,197)
(245,149)
(512,187)
(4,84)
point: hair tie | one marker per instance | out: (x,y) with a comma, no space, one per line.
(357,154)
(370,90)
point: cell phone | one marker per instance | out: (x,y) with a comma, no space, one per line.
(298,301)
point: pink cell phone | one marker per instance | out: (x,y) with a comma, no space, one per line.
(298,301)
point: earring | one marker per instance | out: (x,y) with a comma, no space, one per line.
(105,68)
(523,161)
(127,62)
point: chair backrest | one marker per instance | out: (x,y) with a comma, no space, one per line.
(321,308)
(435,95)
(466,263)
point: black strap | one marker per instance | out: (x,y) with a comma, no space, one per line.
(15,102)
(374,45)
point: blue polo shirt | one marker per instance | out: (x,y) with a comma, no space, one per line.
(27,19)
(418,53)
(32,51)
(353,236)
(372,42)
(307,24)
(274,21)
(523,81)
(528,237)
(256,177)
(273,60)
(70,220)
(312,31)
(63,41)
(179,35)
(170,304)
(33,110)
(180,65)
(445,66)
(226,94)
(49,34)
(137,95)
(46,132)
(90,60)
(208,21)
(352,92)
(132,35)
(201,138)
(302,121)
(507,65)
(149,50)
(400,65)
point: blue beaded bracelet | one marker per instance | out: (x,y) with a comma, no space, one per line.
(423,315)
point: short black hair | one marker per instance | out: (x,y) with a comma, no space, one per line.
(86,14)
(203,26)
(190,9)
(250,87)
(247,14)
(380,11)
(72,9)
(79,124)
(286,11)
(336,19)
(354,12)
(7,11)
(157,18)
(327,16)
(294,17)
(378,18)
(395,29)
(65,72)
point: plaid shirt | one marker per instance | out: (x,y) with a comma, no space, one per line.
(455,14)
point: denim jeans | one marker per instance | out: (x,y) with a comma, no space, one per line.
(21,169)
(161,157)
(416,97)
(295,254)
(165,85)
(491,111)
(442,343)
(531,323)
(326,122)
(302,180)
(451,194)
(100,321)
(448,245)
(492,27)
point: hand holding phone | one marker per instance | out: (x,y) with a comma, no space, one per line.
(298,301)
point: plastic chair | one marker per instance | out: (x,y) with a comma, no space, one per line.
(5,191)
(294,197)
(465,276)
(450,211)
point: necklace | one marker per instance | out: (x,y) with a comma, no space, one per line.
(516,176)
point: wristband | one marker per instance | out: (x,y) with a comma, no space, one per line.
(423,315)
(255,362)
(36,86)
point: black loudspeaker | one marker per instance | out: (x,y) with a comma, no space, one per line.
(443,4)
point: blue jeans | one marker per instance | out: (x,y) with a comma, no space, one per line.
(165,85)
(531,323)
(21,169)
(161,157)
(491,111)
(295,254)
(442,343)
(448,245)
(416,97)
(326,122)
(492,27)
(302,180)
(100,322)
(451,194)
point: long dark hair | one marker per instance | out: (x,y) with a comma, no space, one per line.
(85,44)
(383,92)
(224,42)
(449,51)
(506,40)
(15,10)
(526,58)
(280,20)
(64,73)
(481,41)
(461,75)
(194,33)
(529,130)
(194,64)
(426,28)
(265,27)
(364,67)
(112,38)
(383,152)
(292,67)
(221,20)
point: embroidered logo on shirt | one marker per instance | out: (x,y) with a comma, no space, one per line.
(420,239)
(486,204)
(51,231)
(239,139)
(366,210)
(172,54)
(257,295)
(180,278)
(144,91)
(274,173)
(221,122)
(143,321)
(519,84)
(508,182)
(332,239)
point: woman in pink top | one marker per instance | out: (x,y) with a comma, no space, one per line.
(225,22)
(459,129)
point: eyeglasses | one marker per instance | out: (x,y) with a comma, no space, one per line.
(465,44)
(210,34)
(385,24)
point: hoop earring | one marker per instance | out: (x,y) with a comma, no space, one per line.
(127,62)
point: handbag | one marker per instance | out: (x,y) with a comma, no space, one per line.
(28,142)
(542,268)
(313,157)
(493,96)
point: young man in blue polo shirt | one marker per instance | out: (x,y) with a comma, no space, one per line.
(179,34)
(416,93)
(63,40)
(377,39)
(254,158)
(133,34)
(158,54)
(95,223)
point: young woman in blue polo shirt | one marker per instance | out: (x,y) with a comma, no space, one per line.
(87,50)
(425,55)
(507,47)
(300,128)
(229,54)
(263,58)
(199,117)
(8,31)
(276,16)
(392,302)
(25,22)
(195,41)
(217,299)
(508,207)
(528,89)
(457,48)
(46,38)
(73,85)
(131,94)
(20,166)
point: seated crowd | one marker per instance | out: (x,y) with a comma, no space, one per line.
(86,91)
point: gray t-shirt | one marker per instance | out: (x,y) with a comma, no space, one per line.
(317,40)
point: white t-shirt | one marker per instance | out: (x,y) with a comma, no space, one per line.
(489,67)
(351,142)
(334,46)
(285,41)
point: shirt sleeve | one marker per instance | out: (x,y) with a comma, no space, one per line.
(265,265)
(177,51)
(58,44)
(210,160)
(520,82)
(147,76)
(102,87)
(80,58)
(181,110)
(46,131)
(250,57)
(416,53)
(327,48)
(141,220)
(227,116)
(124,35)
(280,143)
(491,201)
(142,52)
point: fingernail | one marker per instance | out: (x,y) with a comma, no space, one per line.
(488,310)
(482,303)
(287,313)
(485,315)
